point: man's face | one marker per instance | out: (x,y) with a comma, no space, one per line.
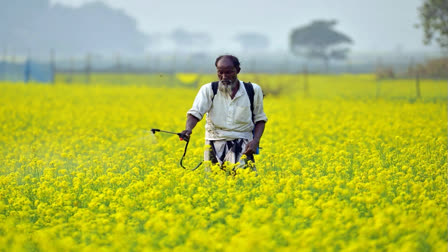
(227,73)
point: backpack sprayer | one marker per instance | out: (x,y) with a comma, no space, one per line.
(182,137)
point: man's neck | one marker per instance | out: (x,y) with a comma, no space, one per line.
(235,89)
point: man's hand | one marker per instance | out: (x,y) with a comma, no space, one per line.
(191,123)
(186,135)
(251,147)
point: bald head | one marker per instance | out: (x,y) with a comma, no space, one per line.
(228,58)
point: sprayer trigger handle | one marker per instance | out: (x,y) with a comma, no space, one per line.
(182,137)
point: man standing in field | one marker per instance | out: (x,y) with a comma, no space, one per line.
(235,118)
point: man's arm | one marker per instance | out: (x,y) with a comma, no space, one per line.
(252,146)
(201,105)
(189,126)
(260,118)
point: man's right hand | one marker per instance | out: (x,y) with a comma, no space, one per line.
(191,123)
(186,134)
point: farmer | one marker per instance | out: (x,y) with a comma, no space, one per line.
(233,127)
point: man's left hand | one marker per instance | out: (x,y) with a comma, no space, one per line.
(251,147)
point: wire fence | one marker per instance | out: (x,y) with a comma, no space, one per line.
(191,72)
(43,69)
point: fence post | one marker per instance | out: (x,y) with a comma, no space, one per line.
(253,64)
(118,63)
(71,70)
(118,69)
(173,71)
(148,63)
(14,76)
(156,65)
(88,67)
(378,88)
(417,83)
(27,71)
(349,66)
(306,90)
(52,67)
(286,69)
(4,65)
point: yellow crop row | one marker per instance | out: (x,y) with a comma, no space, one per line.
(81,170)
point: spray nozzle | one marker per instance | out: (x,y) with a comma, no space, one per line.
(181,136)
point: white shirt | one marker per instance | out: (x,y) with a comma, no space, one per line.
(227,118)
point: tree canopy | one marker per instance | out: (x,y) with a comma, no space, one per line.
(319,40)
(39,26)
(434,20)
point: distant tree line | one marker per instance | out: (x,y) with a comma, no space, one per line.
(36,26)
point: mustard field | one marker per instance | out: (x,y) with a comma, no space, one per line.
(349,163)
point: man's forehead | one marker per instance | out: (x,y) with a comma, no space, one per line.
(226,67)
(225,62)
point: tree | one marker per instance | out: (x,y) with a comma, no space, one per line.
(319,40)
(93,27)
(252,41)
(434,19)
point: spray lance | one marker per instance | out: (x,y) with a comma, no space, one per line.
(182,137)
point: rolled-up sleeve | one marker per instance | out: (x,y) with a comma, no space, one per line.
(259,114)
(202,102)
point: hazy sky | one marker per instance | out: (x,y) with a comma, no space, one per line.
(380,25)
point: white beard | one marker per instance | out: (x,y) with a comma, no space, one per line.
(227,89)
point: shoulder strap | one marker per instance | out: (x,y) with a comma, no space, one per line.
(251,93)
(215,89)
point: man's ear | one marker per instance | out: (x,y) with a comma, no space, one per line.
(238,70)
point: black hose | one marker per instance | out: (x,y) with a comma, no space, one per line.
(182,136)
